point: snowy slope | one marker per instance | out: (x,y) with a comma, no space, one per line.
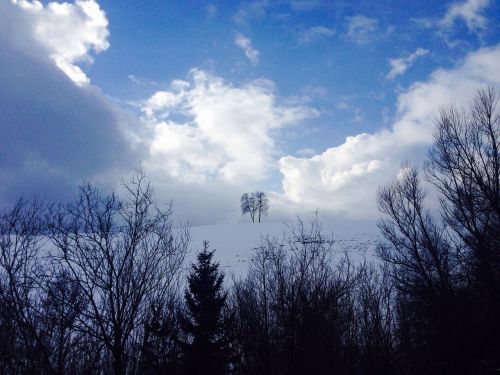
(235,243)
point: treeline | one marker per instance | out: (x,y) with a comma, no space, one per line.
(98,286)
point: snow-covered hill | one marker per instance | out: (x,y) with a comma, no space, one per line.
(235,243)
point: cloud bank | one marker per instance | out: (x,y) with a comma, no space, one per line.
(345,178)
(55,133)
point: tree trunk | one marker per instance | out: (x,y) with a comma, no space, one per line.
(118,363)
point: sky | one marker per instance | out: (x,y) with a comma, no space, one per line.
(316,103)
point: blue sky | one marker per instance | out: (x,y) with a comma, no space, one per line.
(315,102)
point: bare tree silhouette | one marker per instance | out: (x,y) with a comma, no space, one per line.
(255,204)
(123,254)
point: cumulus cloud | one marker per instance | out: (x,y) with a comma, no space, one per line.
(361,29)
(207,129)
(468,11)
(345,178)
(246,45)
(401,65)
(55,133)
(315,33)
(67,32)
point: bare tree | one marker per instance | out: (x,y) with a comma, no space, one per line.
(61,305)
(294,312)
(261,203)
(256,204)
(21,270)
(422,267)
(123,254)
(248,205)
(464,165)
(416,244)
(40,304)
(444,269)
(375,322)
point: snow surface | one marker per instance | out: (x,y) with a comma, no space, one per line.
(235,243)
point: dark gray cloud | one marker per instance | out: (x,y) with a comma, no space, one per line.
(54,134)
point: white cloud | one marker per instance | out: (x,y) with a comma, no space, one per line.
(361,29)
(315,33)
(68,32)
(210,130)
(59,134)
(469,11)
(345,178)
(401,65)
(246,45)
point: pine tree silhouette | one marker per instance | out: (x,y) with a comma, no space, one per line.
(206,352)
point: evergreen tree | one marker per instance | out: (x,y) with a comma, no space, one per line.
(204,323)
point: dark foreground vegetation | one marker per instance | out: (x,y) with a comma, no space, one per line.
(97,286)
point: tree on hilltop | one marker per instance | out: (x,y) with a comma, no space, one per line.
(256,204)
